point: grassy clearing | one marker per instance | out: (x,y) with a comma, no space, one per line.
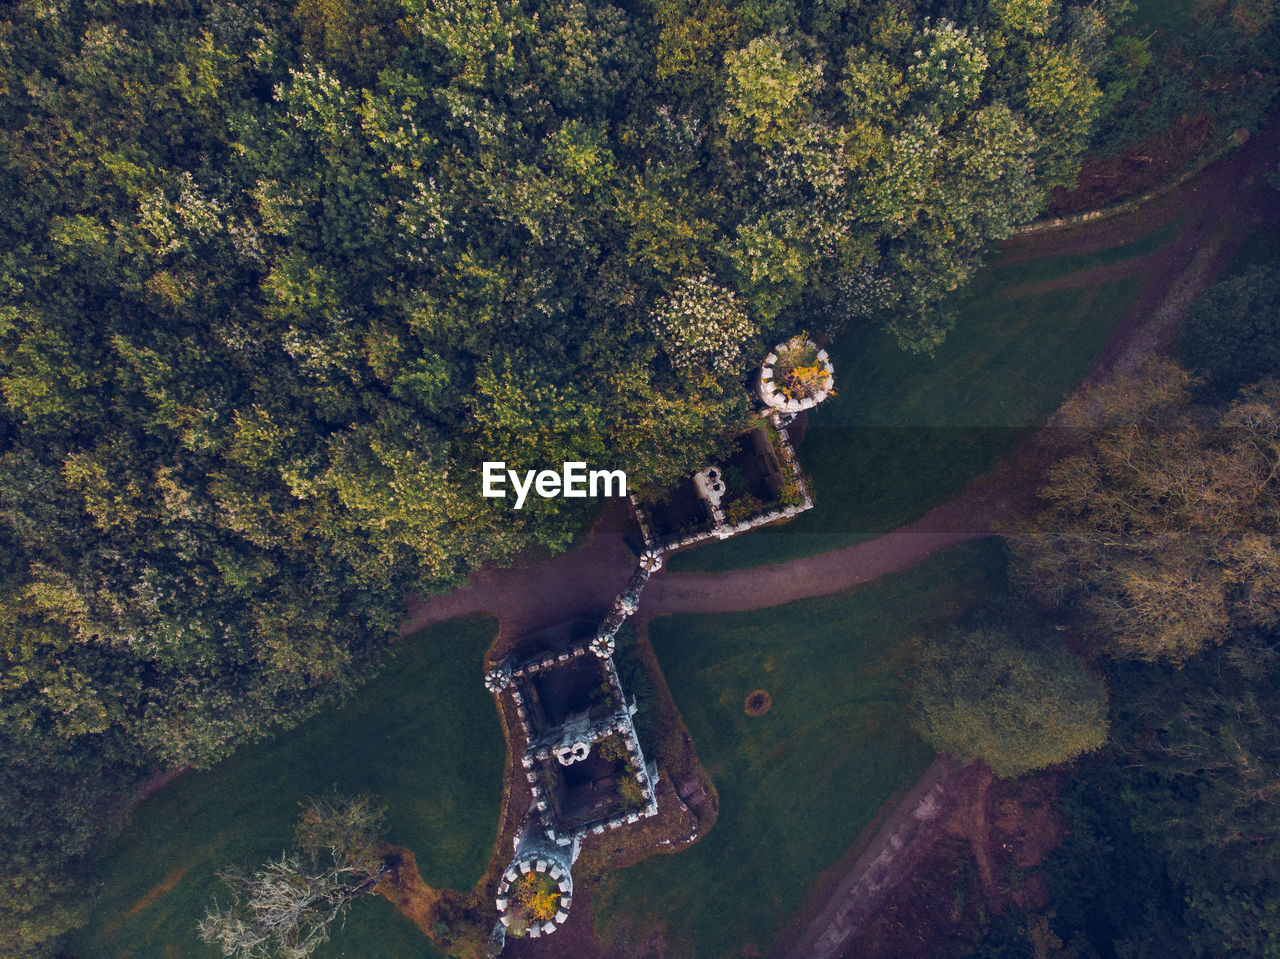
(798,783)
(423,735)
(907,432)
(1046,269)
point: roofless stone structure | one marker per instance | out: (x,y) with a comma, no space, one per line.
(583,762)
(783,387)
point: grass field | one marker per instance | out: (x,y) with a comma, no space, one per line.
(423,735)
(907,432)
(799,783)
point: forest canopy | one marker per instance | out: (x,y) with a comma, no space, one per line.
(276,278)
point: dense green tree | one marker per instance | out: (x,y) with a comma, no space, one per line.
(1158,535)
(1018,699)
(1170,830)
(1206,734)
(56,801)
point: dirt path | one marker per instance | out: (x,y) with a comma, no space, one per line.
(527,598)
(907,833)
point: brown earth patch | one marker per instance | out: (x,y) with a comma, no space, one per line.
(458,922)
(1103,181)
(405,888)
(978,860)
(757,703)
(937,917)
(162,889)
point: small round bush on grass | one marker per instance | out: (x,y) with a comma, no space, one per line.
(1019,702)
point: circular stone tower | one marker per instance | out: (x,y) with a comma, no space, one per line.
(536,890)
(796,376)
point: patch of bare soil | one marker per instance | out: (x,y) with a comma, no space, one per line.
(843,904)
(757,703)
(935,914)
(1103,182)
(966,865)
(404,888)
(580,584)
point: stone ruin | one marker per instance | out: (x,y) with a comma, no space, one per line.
(571,702)
(568,703)
(534,853)
(710,485)
(711,489)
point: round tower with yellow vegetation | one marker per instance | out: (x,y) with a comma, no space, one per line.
(796,376)
(536,891)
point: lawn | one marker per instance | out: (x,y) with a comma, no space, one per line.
(800,782)
(423,735)
(906,432)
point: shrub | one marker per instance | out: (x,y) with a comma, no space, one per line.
(1021,702)
(798,372)
(702,326)
(1232,334)
(744,507)
(536,895)
(632,794)
(614,749)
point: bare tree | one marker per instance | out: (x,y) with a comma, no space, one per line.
(1162,535)
(286,908)
(349,828)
